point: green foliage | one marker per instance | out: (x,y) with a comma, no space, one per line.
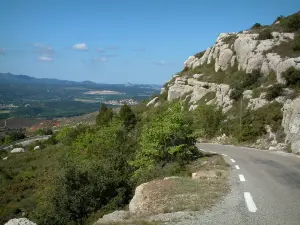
(230,39)
(104,116)
(12,136)
(199,54)
(265,34)
(254,122)
(256,25)
(247,81)
(127,116)
(296,44)
(207,120)
(291,23)
(292,77)
(43,131)
(274,91)
(168,138)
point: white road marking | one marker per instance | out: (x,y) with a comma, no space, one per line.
(224,155)
(242,178)
(237,167)
(249,201)
(232,160)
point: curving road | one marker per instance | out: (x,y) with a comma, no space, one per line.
(265,188)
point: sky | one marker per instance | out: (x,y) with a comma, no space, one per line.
(120,41)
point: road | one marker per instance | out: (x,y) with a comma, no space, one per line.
(265,188)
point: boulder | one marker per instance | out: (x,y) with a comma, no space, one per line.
(153,101)
(256,103)
(178,90)
(20,221)
(114,217)
(224,58)
(5,158)
(37,148)
(17,150)
(247,94)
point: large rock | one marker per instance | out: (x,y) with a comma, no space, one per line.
(153,101)
(291,123)
(114,217)
(17,150)
(20,221)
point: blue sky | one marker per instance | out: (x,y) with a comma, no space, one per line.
(119,41)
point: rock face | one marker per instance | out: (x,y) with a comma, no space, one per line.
(17,150)
(153,101)
(197,90)
(20,221)
(138,202)
(116,216)
(248,52)
(291,123)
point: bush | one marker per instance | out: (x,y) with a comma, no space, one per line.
(256,25)
(291,23)
(254,122)
(207,119)
(296,44)
(265,34)
(167,138)
(127,116)
(292,77)
(104,116)
(199,54)
(274,91)
(248,81)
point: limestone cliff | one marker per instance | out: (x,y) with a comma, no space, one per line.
(215,76)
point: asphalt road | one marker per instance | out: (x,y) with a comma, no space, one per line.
(265,188)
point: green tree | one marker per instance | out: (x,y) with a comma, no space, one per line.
(167,138)
(207,120)
(104,116)
(127,116)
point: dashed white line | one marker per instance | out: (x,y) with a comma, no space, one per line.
(232,160)
(242,178)
(237,167)
(249,202)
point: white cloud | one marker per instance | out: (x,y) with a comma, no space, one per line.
(162,63)
(80,47)
(102,59)
(2,51)
(45,59)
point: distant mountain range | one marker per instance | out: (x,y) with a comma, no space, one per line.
(11,78)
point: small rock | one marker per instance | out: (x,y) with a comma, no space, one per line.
(37,148)
(5,158)
(20,221)
(17,150)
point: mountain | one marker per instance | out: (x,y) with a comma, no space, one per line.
(253,76)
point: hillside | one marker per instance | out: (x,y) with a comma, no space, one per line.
(254,77)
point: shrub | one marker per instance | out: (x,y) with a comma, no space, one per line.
(296,44)
(253,122)
(265,34)
(292,77)
(199,54)
(274,91)
(291,23)
(167,138)
(207,119)
(256,25)
(104,116)
(230,39)
(127,116)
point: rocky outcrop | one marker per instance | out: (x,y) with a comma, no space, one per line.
(114,217)
(197,90)
(20,221)
(153,101)
(17,150)
(249,53)
(291,123)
